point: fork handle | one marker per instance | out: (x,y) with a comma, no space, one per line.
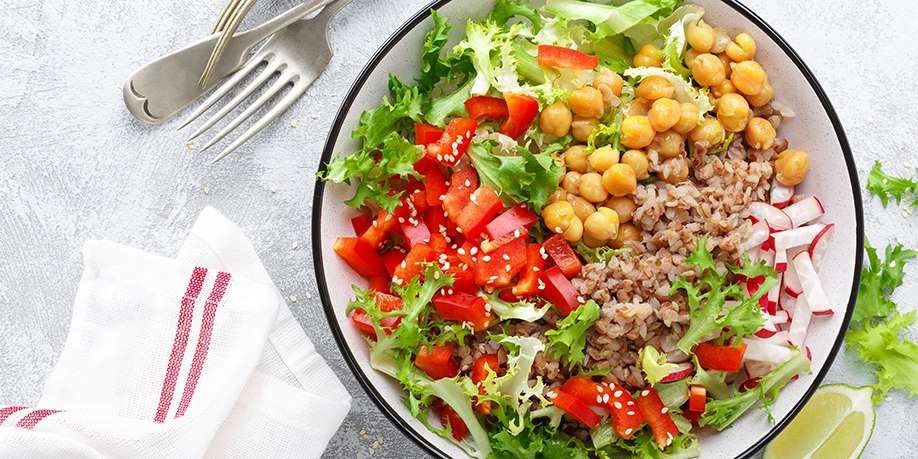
(251,37)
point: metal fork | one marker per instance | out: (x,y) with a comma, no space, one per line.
(297,55)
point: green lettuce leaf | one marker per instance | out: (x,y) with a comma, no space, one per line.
(654,365)
(447,105)
(524,310)
(713,381)
(512,393)
(523,178)
(432,67)
(568,340)
(674,45)
(885,186)
(673,394)
(885,346)
(612,19)
(601,254)
(504,10)
(878,281)
(376,124)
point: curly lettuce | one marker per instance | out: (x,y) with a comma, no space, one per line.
(674,45)
(525,177)
(885,347)
(613,19)
(654,365)
(887,186)
(878,281)
(568,340)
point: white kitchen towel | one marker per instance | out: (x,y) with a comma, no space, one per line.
(193,357)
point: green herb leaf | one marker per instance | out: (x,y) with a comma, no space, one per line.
(878,281)
(432,67)
(568,341)
(885,186)
(885,346)
(523,178)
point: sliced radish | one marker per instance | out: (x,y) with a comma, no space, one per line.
(759,234)
(804,211)
(812,287)
(780,318)
(684,371)
(775,217)
(796,334)
(780,338)
(791,281)
(788,303)
(757,369)
(760,351)
(774,295)
(819,245)
(781,195)
(768,258)
(768,327)
(786,240)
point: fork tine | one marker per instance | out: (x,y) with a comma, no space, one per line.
(228,85)
(228,10)
(299,87)
(256,83)
(250,110)
(227,34)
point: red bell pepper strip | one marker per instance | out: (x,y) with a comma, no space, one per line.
(438,242)
(392,259)
(386,302)
(435,186)
(514,218)
(454,142)
(425,134)
(563,255)
(449,417)
(498,268)
(361,223)
(657,416)
(484,365)
(574,407)
(411,266)
(463,307)
(557,56)
(693,416)
(437,361)
(626,418)
(461,186)
(528,283)
(720,357)
(587,391)
(378,232)
(560,291)
(414,234)
(523,109)
(698,398)
(360,256)
(490,245)
(494,108)
(484,205)
(363,323)
(463,275)
(380,284)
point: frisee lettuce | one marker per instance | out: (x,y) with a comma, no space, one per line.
(654,365)
(525,310)
(525,177)
(885,186)
(504,10)
(895,358)
(610,20)
(878,281)
(601,254)
(568,340)
(674,45)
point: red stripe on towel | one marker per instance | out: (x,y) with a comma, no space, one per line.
(8,411)
(207,329)
(33,418)
(182,329)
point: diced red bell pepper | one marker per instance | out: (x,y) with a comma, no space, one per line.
(411,265)
(698,398)
(454,142)
(528,283)
(490,245)
(417,194)
(468,253)
(560,291)
(363,323)
(425,134)
(461,186)
(494,108)
(463,276)
(508,296)
(435,186)
(657,417)
(378,232)
(414,234)
(386,302)
(361,223)
(563,255)
(498,268)
(437,361)
(557,56)
(437,222)
(574,407)
(448,416)
(438,242)
(626,418)
(720,357)
(483,366)
(514,218)
(463,307)
(360,256)
(392,259)
(523,109)
(484,205)
(380,283)
(587,391)
(693,416)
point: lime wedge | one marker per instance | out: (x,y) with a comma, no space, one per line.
(836,423)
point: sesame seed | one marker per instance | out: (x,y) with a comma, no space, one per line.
(461,251)
(645,393)
(516,233)
(468,183)
(551,394)
(664,410)
(535,269)
(558,229)
(599,399)
(507,268)
(505,257)
(486,258)
(630,413)
(439,157)
(488,307)
(605,398)
(403,264)
(617,405)
(628,431)
(580,299)
(599,389)
(630,402)
(473,250)
(401,220)
(617,394)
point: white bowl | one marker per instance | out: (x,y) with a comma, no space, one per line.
(816,129)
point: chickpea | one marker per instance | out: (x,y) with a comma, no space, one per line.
(689,59)
(619,180)
(582,207)
(609,79)
(721,40)
(668,144)
(590,242)
(648,56)
(637,160)
(622,206)
(700,36)
(574,232)
(725,60)
(637,132)
(749,77)
(586,102)
(688,118)
(655,87)
(763,98)
(591,188)
(708,70)
(582,128)
(760,134)
(571,182)
(603,158)
(664,114)
(556,119)
(626,232)
(742,48)
(558,216)
(639,106)
(602,225)
(710,131)
(674,170)
(725,87)
(575,158)
(733,112)
(791,167)
(559,195)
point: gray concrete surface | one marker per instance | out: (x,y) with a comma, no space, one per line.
(74,165)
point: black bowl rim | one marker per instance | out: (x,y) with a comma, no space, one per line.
(327,152)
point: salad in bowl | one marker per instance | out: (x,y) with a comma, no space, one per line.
(581,232)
